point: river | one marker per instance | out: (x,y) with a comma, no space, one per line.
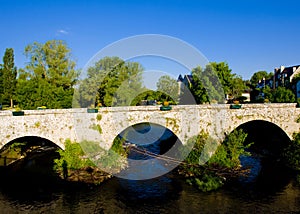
(166,194)
(270,188)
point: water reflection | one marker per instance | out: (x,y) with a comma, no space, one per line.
(167,194)
(270,188)
(147,143)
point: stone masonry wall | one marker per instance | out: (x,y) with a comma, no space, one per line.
(57,125)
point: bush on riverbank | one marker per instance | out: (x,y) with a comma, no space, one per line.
(112,160)
(71,158)
(209,164)
(88,162)
(291,154)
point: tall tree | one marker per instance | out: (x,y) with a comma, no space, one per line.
(283,95)
(232,84)
(169,86)
(49,76)
(225,76)
(111,82)
(206,86)
(197,89)
(8,77)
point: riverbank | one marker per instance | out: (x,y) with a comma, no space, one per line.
(88,175)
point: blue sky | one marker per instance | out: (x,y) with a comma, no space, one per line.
(249,35)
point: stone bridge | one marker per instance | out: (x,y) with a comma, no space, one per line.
(186,121)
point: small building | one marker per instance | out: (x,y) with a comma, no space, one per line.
(284,76)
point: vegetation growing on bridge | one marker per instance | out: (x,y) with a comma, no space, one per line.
(209,165)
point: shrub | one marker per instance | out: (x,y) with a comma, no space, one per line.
(205,174)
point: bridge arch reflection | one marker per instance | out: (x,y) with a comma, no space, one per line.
(153,150)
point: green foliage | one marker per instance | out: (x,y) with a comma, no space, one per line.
(197,88)
(278,95)
(206,84)
(231,149)
(292,153)
(73,156)
(258,76)
(203,148)
(8,75)
(159,96)
(208,182)
(118,146)
(168,86)
(232,84)
(111,160)
(268,93)
(14,150)
(96,127)
(111,82)
(206,155)
(48,78)
(99,117)
(146,95)
(283,95)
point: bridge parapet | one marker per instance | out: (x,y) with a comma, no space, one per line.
(185,121)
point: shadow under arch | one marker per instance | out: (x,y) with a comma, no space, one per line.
(30,152)
(268,173)
(267,138)
(32,140)
(150,177)
(152,137)
(153,151)
(31,175)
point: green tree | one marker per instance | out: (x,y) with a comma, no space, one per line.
(197,88)
(283,95)
(169,86)
(225,75)
(223,160)
(206,85)
(268,93)
(238,87)
(291,153)
(8,75)
(49,78)
(232,84)
(111,82)
(259,76)
(73,156)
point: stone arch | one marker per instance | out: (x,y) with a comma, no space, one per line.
(143,166)
(33,160)
(240,120)
(47,138)
(144,129)
(268,137)
(43,140)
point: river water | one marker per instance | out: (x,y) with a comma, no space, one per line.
(270,188)
(166,194)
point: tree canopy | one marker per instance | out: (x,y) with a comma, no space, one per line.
(49,76)
(8,75)
(259,76)
(169,86)
(111,82)
(232,84)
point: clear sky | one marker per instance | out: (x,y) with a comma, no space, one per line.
(250,35)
